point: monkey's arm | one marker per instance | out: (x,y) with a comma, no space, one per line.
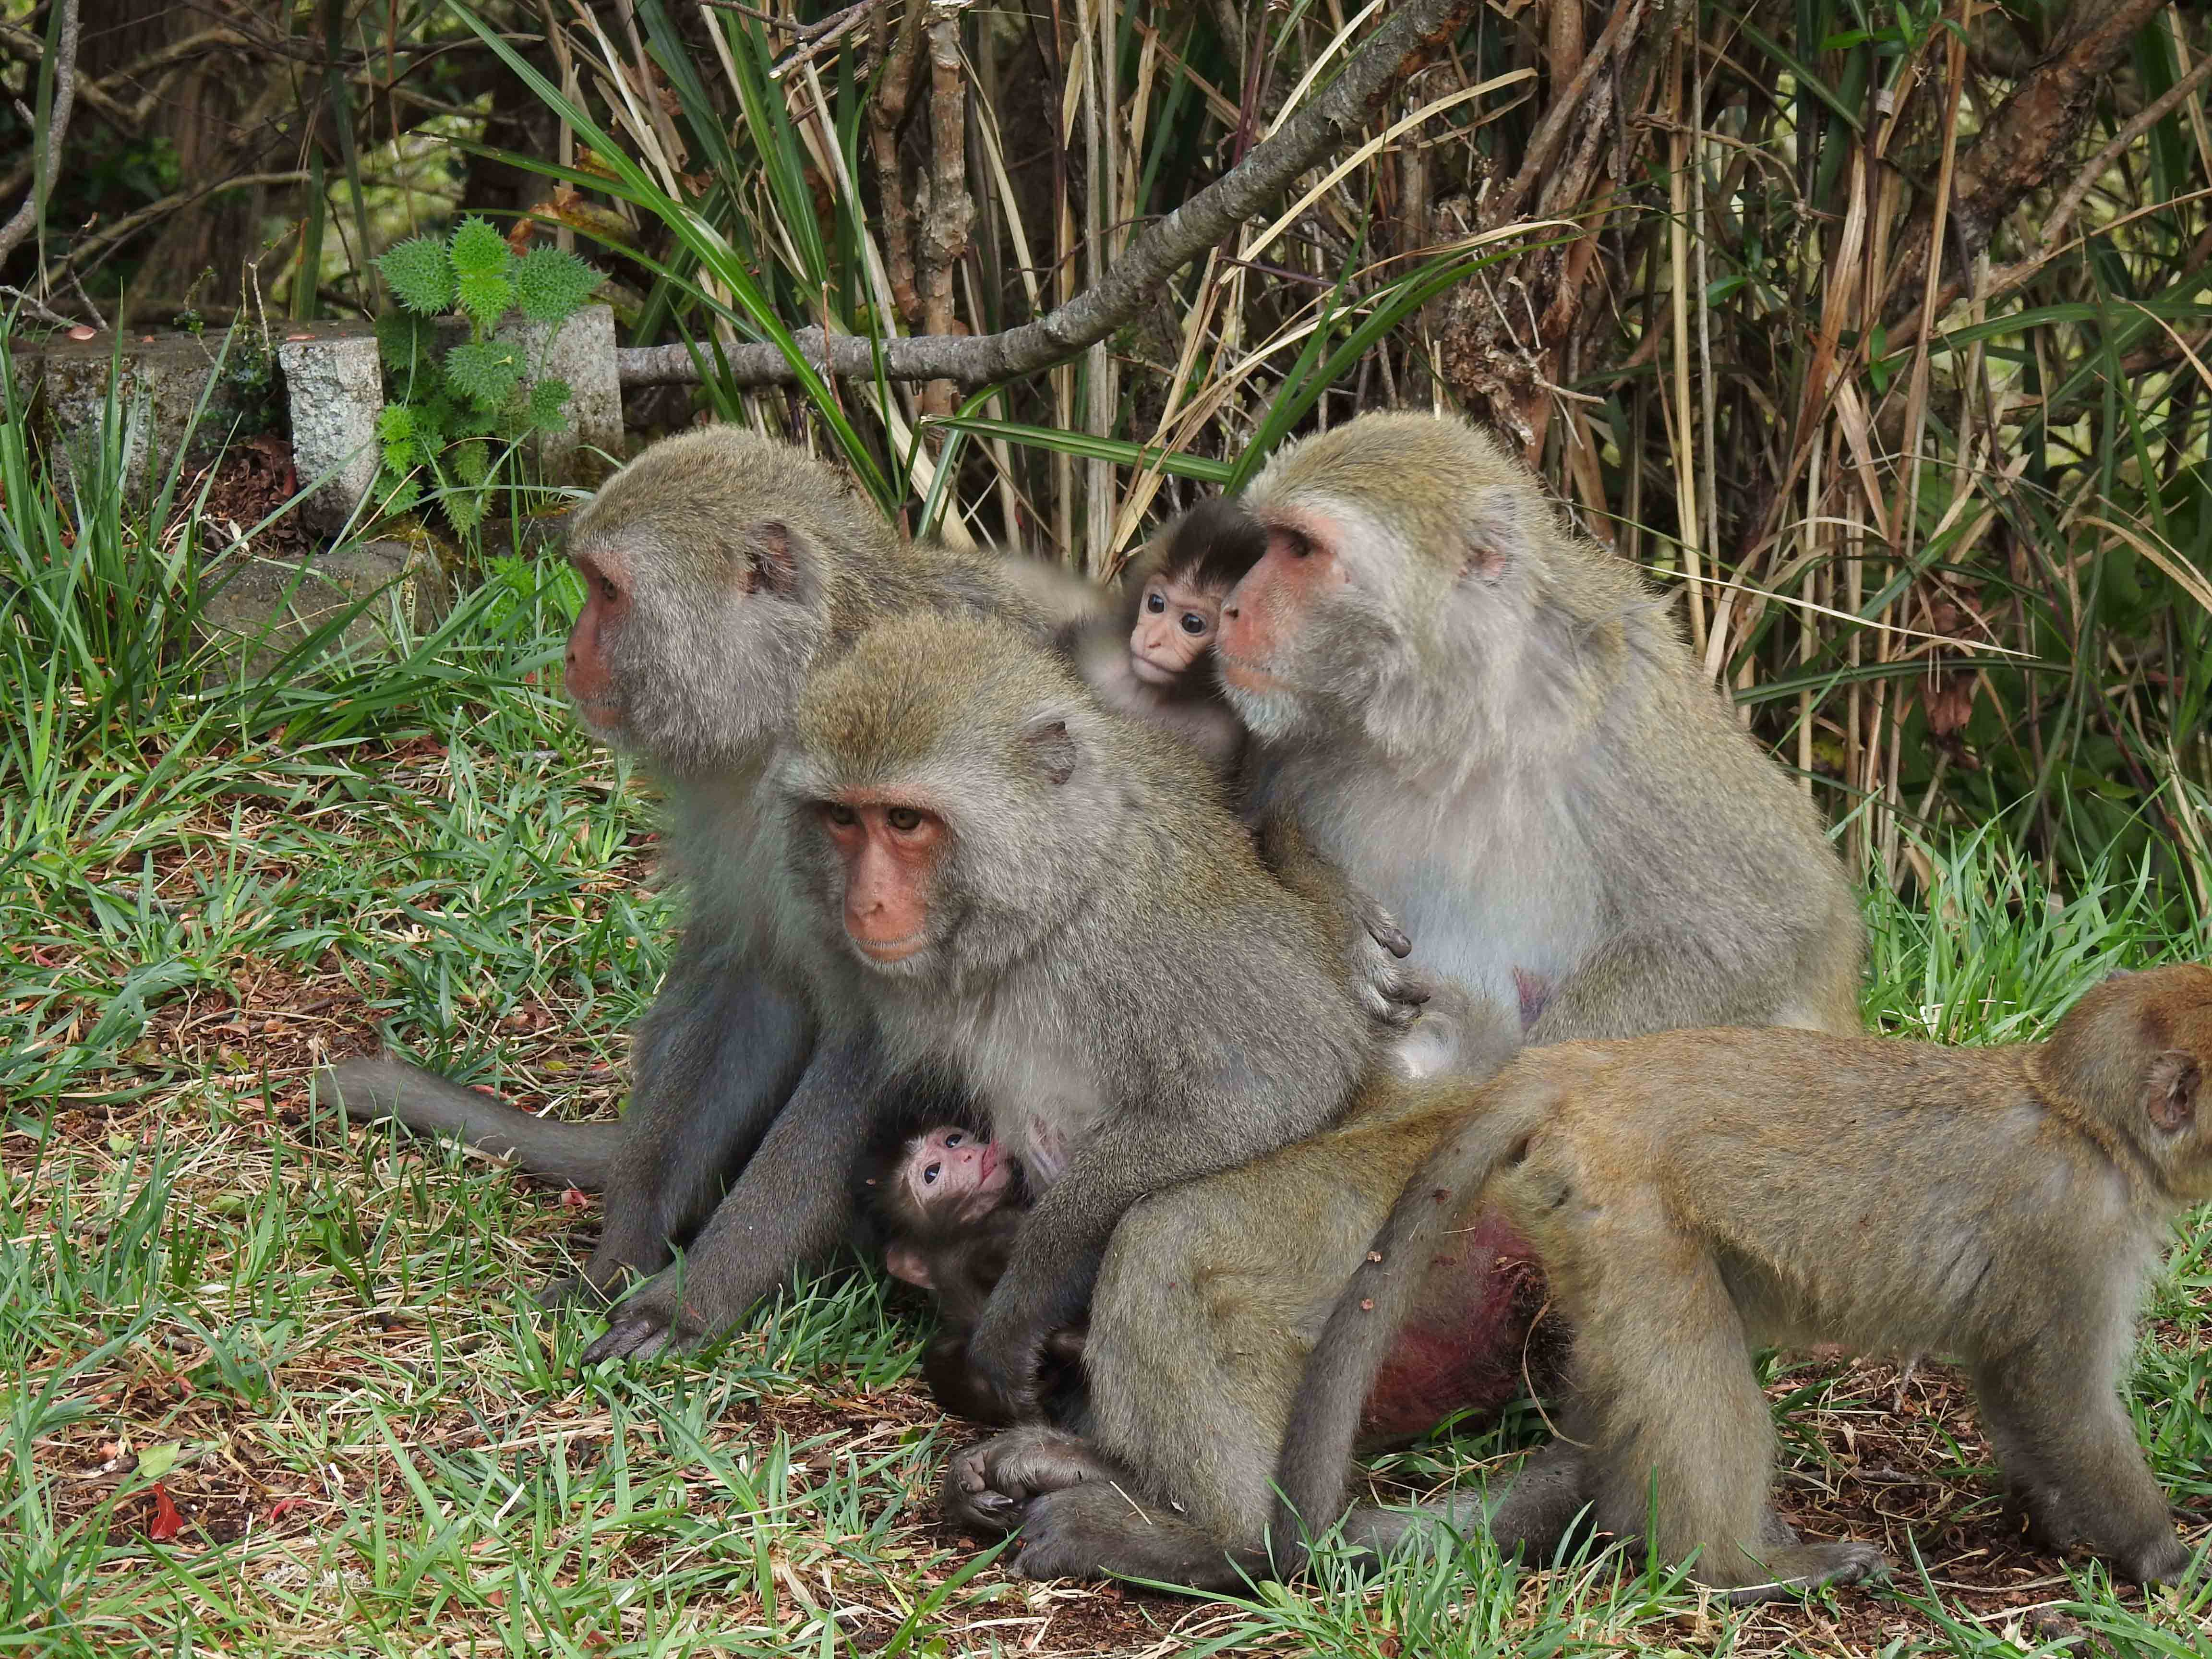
(1048,1283)
(794,1204)
(1375,946)
(382,1085)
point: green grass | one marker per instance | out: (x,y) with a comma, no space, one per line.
(322,1352)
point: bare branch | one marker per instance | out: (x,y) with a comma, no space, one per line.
(57,119)
(1402,44)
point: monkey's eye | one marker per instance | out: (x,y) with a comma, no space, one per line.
(840,814)
(1156,602)
(955,1138)
(1194,624)
(904,819)
(608,591)
(929,1176)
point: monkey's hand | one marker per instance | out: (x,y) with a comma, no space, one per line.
(654,1320)
(1390,991)
(1006,1357)
(988,1485)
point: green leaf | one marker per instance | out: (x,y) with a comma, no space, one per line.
(465,507)
(419,275)
(471,462)
(548,401)
(157,1460)
(484,371)
(401,340)
(486,299)
(552,286)
(396,425)
(401,493)
(478,249)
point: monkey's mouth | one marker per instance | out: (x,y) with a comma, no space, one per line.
(1243,675)
(604,713)
(1151,673)
(888,951)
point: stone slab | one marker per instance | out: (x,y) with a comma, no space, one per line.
(265,607)
(334,383)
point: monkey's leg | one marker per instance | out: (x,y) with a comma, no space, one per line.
(2070,1458)
(1680,1426)
(717,1054)
(989,1485)
(792,1204)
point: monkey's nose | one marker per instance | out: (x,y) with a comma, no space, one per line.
(1229,612)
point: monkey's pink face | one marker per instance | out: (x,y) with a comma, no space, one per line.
(599,627)
(890,850)
(1265,613)
(1176,625)
(950,1172)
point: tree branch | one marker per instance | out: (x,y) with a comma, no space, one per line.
(1402,44)
(2024,142)
(57,119)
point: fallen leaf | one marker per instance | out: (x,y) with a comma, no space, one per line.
(157,1460)
(573,1198)
(167,1523)
(284,1506)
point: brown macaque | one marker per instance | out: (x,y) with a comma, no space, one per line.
(950,1204)
(1158,667)
(1698,1195)
(717,567)
(1006,883)
(1491,725)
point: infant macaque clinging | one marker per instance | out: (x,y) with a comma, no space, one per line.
(949,1203)
(1161,668)
(1694,1194)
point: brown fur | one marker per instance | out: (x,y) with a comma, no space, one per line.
(1696,1193)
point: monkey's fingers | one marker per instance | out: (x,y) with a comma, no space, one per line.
(1386,932)
(637,1337)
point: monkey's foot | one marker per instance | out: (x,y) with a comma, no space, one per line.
(1807,1567)
(1107,1529)
(988,1486)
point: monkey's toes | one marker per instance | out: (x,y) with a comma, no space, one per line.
(2159,1562)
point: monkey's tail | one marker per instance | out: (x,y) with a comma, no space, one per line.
(1311,1473)
(377,1086)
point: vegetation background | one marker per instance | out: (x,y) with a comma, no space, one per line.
(1875,333)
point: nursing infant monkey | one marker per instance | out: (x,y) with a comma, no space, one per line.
(949,1202)
(1685,1196)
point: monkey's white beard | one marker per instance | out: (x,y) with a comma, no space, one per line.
(1270,716)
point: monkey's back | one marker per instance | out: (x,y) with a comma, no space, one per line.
(1892,1195)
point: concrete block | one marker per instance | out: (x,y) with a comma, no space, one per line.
(335,386)
(160,378)
(583,354)
(264,607)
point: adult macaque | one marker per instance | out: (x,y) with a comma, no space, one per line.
(1159,667)
(717,567)
(1686,1196)
(950,1204)
(1006,882)
(1491,725)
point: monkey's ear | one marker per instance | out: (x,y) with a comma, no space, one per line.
(2170,1092)
(1049,744)
(1496,537)
(772,551)
(904,1262)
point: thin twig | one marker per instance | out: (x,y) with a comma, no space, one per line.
(1403,44)
(29,216)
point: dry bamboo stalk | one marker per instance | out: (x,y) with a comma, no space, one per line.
(1678,426)
(950,209)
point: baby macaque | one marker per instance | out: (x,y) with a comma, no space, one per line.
(949,1202)
(1164,671)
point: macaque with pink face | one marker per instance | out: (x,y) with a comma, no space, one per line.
(1164,674)
(950,1202)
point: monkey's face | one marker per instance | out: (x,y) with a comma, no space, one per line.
(1305,636)
(889,851)
(1175,621)
(951,1176)
(2176,1024)
(690,655)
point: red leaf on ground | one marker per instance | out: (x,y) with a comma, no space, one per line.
(573,1198)
(167,1523)
(284,1506)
